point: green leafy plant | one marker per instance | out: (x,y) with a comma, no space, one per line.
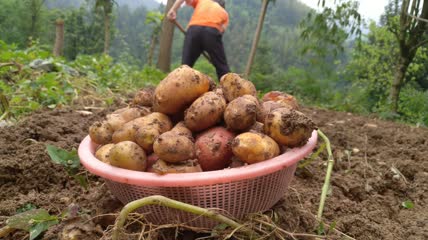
(408,204)
(35,221)
(69,160)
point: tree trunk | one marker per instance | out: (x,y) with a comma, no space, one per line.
(59,38)
(398,81)
(106,33)
(165,47)
(256,38)
(152,50)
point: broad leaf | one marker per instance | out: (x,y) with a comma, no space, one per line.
(68,159)
(26,220)
(38,228)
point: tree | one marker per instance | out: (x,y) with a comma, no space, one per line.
(411,33)
(167,34)
(35,7)
(107,8)
(154,18)
(328,30)
(257,34)
(59,38)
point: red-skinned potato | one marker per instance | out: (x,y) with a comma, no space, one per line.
(128,155)
(206,111)
(281,97)
(151,160)
(213,148)
(234,86)
(289,127)
(251,147)
(179,89)
(101,132)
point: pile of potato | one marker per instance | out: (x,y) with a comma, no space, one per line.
(188,124)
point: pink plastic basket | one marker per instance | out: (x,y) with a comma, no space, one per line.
(236,192)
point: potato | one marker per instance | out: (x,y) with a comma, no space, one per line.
(179,89)
(151,160)
(128,155)
(101,132)
(236,163)
(189,166)
(205,112)
(241,113)
(118,118)
(154,120)
(257,127)
(253,147)
(145,136)
(267,107)
(213,148)
(173,148)
(182,130)
(281,97)
(288,127)
(234,86)
(144,97)
(103,153)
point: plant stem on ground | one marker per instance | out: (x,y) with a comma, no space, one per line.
(164,201)
(330,163)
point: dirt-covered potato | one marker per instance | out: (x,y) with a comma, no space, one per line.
(213,148)
(179,89)
(144,97)
(267,107)
(154,120)
(145,136)
(241,113)
(234,86)
(189,166)
(103,153)
(257,127)
(128,155)
(288,127)
(118,118)
(101,132)
(205,112)
(173,148)
(181,129)
(281,97)
(251,147)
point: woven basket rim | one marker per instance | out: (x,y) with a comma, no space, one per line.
(92,164)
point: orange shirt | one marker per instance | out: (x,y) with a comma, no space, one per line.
(209,13)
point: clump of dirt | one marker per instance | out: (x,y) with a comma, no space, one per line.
(379,165)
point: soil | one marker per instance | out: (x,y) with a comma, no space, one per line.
(378,166)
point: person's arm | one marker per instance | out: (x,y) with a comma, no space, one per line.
(172,13)
(225,23)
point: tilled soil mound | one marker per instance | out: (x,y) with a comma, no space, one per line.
(379,165)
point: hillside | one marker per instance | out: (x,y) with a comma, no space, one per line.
(149,4)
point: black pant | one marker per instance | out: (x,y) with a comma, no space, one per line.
(201,38)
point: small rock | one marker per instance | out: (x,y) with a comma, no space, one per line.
(355,150)
(370,125)
(84,113)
